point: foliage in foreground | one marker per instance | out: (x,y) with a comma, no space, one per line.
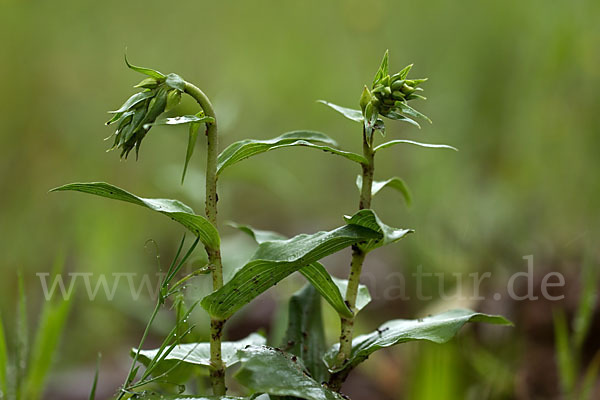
(305,366)
(24,370)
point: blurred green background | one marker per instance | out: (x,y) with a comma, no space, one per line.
(514,85)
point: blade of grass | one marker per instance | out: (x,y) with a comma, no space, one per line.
(173,269)
(51,326)
(162,354)
(22,338)
(590,378)
(3,362)
(585,308)
(95,383)
(133,369)
(564,354)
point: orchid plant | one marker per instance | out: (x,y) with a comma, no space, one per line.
(304,366)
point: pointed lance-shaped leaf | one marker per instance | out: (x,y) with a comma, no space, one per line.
(174,209)
(404,72)
(192,137)
(383,70)
(346,154)
(408,110)
(133,101)
(438,329)
(354,115)
(243,149)
(184,119)
(199,353)
(145,71)
(327,286)
(428,145)
(399,117)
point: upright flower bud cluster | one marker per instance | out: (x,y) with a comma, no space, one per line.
(137,115)
(388,97)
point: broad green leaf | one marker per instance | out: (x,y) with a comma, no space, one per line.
(383,69)
(275,260)
(145,71)
(346,154)
(158,396)
(241,150)
(363,297)
(565,358)
(354,115)
(3,359)
(51,326)
(199,353)
(438,329)
(432,146)
(387,234)
(268,370)
(184,119)
(176,82)
(174,209)
(408,110)
(305,336)
(315,273)
(392,183)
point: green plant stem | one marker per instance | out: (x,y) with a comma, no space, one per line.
(358,258)
(217,373)
(132,369)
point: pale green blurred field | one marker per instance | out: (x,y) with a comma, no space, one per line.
(514,85)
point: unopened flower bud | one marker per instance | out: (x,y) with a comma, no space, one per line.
(148,83)
(365,98)
(173,99)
